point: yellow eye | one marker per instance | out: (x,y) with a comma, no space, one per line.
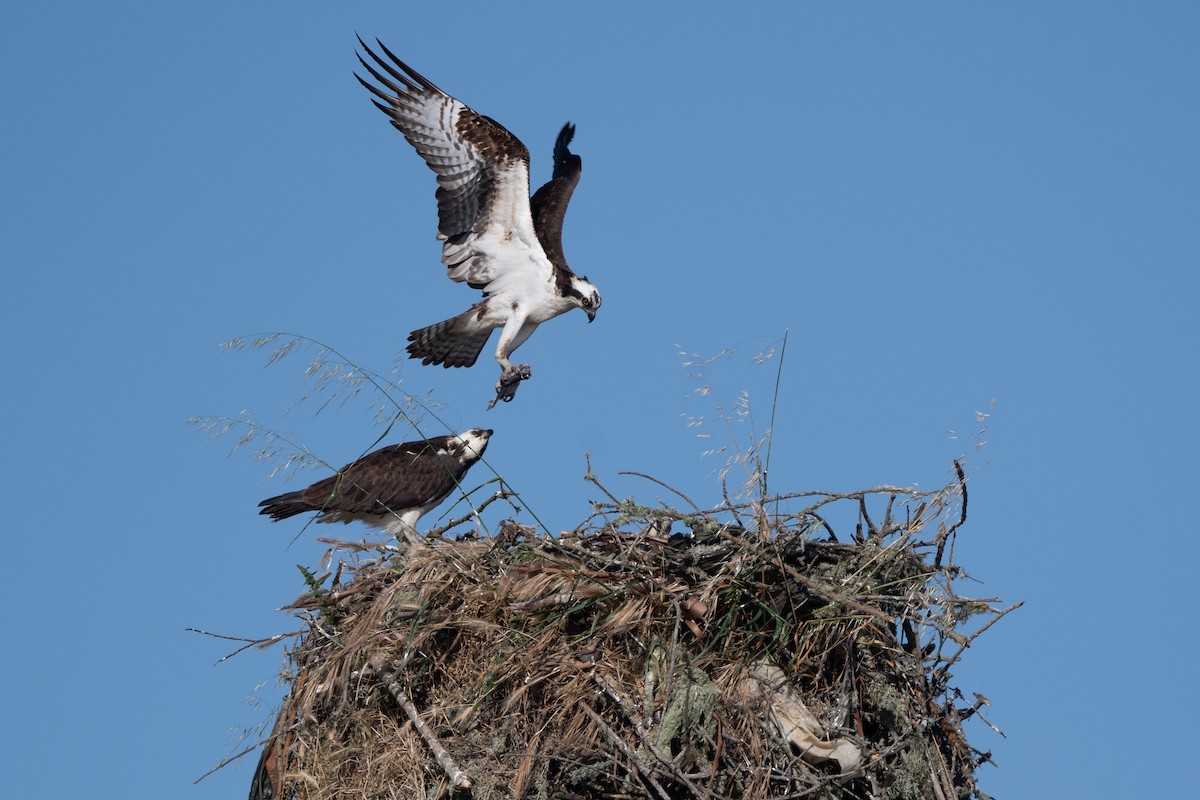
(587,303)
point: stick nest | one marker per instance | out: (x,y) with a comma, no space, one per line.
(649,653)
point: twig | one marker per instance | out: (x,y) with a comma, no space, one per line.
(832,536)
(267,642)
(627,750)
(889,525)
(456,775)
(774,405)
(641,725)
(830,594)
(361,546)
(623,704)
(230,759)
(737,518)
(667,685)
(591,476)
(943,537)
(883,488)
(862,510)
(936,783)
(503,494)
(560,599)
(970,639)
(666,486)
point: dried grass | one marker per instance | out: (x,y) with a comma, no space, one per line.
(649,653)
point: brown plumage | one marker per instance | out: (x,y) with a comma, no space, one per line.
(391,488)
(549,203)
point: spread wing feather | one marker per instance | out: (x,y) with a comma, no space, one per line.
(482,169)
(549,204)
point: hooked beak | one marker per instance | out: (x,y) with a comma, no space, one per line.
(591,312)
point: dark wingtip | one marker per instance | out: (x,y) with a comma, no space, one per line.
(357,54)
(420,79)
(564,160)
(565,136)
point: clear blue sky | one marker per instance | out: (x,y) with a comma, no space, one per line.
(942,203)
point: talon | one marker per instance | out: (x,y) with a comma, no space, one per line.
(510,380)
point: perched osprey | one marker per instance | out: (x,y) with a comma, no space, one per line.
(495,237)
(390,488)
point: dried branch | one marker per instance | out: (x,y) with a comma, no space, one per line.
(264,642)
(437,532)
(457,777)
(947,663)
(666,486)
(944,536)
(591,476)
(230,759)
(627,751)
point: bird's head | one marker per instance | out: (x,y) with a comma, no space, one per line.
(586,296)
(472,443)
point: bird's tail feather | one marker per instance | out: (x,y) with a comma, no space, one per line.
(285,505)
(454,342)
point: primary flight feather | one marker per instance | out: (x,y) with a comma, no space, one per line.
(494,236)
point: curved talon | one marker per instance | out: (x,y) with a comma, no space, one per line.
(510,380)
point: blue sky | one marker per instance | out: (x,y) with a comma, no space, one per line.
(942,204)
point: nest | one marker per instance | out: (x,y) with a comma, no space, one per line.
(650,653)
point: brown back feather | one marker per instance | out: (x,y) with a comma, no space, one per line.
(390,479)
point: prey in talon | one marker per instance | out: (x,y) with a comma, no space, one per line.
(510,380)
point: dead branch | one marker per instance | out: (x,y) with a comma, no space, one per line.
(457,777)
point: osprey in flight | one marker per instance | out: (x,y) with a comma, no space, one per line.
(495,237)
(390,488)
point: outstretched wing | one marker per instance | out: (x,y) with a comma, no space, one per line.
(549,204)
(482,172)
